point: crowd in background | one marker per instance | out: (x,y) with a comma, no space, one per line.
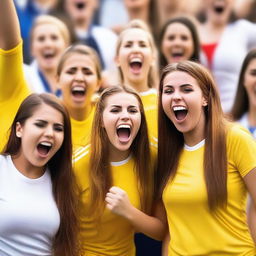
(96,58)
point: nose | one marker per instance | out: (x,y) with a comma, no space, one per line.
(176,95)
(125,115)
(79,76)
(49,131)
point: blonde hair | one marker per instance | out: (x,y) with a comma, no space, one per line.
(153,71)
(48,19)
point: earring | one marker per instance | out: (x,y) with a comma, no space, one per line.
(18,134)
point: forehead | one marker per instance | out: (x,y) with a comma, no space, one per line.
(252,64)
(47,28)
(178,28)
(176,78)
(47,113)
(135,34)
(122,99)
(79,60)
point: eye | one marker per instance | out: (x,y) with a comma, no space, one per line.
(127,45)
(114,110)
(142,44)
(171,37)
(133,110)
(54,37)
(39,124)
(168,91)
(184,38)
(41,38)
(71,71)
(187,89)
(58,128)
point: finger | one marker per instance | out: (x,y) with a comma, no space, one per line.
(116,190)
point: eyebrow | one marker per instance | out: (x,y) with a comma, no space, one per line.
(45,122)
(183,85)
(118,106)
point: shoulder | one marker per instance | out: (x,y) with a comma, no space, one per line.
(101,32)
(239,137)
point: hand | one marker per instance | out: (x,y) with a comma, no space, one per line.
(118,202)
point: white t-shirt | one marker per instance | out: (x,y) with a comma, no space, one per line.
(29,217)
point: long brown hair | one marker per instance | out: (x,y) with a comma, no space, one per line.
(241,103)
(60,166)
(171,141)
(100,170)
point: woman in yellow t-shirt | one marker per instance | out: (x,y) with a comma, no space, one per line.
(119,158)
(79,76)
(206,167)
(136,59)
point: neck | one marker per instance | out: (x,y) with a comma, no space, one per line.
(140,86)
(116,155)
(51,78)
(27,169)
(141,14)
(80,114)
(251,115)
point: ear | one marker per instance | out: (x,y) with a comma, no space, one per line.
(18,130)
(205,103)
(117,61)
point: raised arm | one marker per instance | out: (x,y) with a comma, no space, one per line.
(9,25)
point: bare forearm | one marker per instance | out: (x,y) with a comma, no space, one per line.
(150,226)
(9,25)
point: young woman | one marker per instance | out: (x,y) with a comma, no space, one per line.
(244,108)
(119,156)
(136,59)
(206,166)
(78,77)
(210,167)
(38,206)
(178,41)
(49,38)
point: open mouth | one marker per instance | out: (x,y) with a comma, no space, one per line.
(136,65)
(123,132)
(177,54)
(48,55)
(44,148)
(219,9)
(180,112)
(80,5)
(78,91)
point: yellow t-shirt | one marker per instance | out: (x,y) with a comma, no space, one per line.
(81,130)
(13,89)
(194,230)
(149,100)
(112,235)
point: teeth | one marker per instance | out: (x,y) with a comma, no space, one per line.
(78,89)
(47,144)
(124,126)
(136,60)
(179,108)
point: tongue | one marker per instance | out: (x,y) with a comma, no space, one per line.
(181,114)
(42,150)
(136,66)
(123,135)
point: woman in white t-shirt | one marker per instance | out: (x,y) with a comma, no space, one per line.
(37,187)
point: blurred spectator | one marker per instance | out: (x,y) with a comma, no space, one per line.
(178,41)
(27,11)
(49,39)
(102,40)
(244,108)
(225,42)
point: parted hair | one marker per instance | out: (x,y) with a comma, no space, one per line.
(171,141)
(100,170)
(60,167)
